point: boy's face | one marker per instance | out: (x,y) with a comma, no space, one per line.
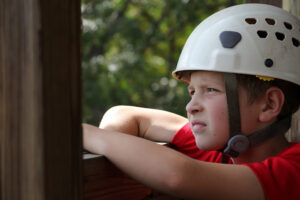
(207,110)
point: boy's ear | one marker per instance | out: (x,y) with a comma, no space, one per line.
(272,104)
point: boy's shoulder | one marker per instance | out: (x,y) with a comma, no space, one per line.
(293,149)
(274,172)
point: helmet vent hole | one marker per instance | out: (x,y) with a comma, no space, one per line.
(270,21)
(262,34)
(250,20)
(295,42)
(288,25)
(280,36)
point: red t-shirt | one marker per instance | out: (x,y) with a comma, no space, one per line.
(278,175)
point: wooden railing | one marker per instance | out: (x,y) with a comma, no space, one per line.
(104,181)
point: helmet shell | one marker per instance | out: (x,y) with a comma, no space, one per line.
(269,44)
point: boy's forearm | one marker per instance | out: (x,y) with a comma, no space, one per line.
(152,124)
(143,160)
(171,172)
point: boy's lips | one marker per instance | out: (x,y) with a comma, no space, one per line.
(198,126)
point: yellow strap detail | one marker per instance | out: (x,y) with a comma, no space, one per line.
(265,78)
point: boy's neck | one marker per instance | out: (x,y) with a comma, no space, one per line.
(259,153)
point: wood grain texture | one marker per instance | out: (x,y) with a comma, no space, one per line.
(60,55)
(277,3)
(292,6)
(104,181)
(40,134)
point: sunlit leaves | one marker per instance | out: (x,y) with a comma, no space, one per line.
(130,48)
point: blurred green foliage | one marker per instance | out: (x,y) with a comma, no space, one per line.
(130,48)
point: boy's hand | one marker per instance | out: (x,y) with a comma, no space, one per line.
(89,138)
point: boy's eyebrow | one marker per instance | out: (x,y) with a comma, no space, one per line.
(189,87)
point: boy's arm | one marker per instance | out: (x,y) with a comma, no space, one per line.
(152,124)
(171,172)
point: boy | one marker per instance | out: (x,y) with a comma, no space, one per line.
(242,67)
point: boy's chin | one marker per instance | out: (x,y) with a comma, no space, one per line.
(208,147)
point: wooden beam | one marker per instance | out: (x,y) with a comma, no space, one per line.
(277,3)
(103,180)
(293,6)
(40,132)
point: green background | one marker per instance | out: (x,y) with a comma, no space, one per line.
(130,48)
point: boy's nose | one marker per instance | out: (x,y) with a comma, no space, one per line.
(193,106)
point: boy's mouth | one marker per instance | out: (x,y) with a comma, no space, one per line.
(198,126)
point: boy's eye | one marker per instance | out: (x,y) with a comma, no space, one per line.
(192,92)
(211,90)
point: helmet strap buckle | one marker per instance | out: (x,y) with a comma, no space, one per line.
(236,145)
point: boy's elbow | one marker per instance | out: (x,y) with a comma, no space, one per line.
(111,116)
(121,119)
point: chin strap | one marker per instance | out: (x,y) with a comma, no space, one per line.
(239,143)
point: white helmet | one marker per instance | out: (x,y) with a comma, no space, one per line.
(255,39)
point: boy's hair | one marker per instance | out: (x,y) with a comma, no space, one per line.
(256,89)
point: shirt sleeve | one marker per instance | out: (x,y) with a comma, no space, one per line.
(280,175)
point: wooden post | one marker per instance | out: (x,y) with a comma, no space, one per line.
(277,3)
(293,6)
(40,115)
